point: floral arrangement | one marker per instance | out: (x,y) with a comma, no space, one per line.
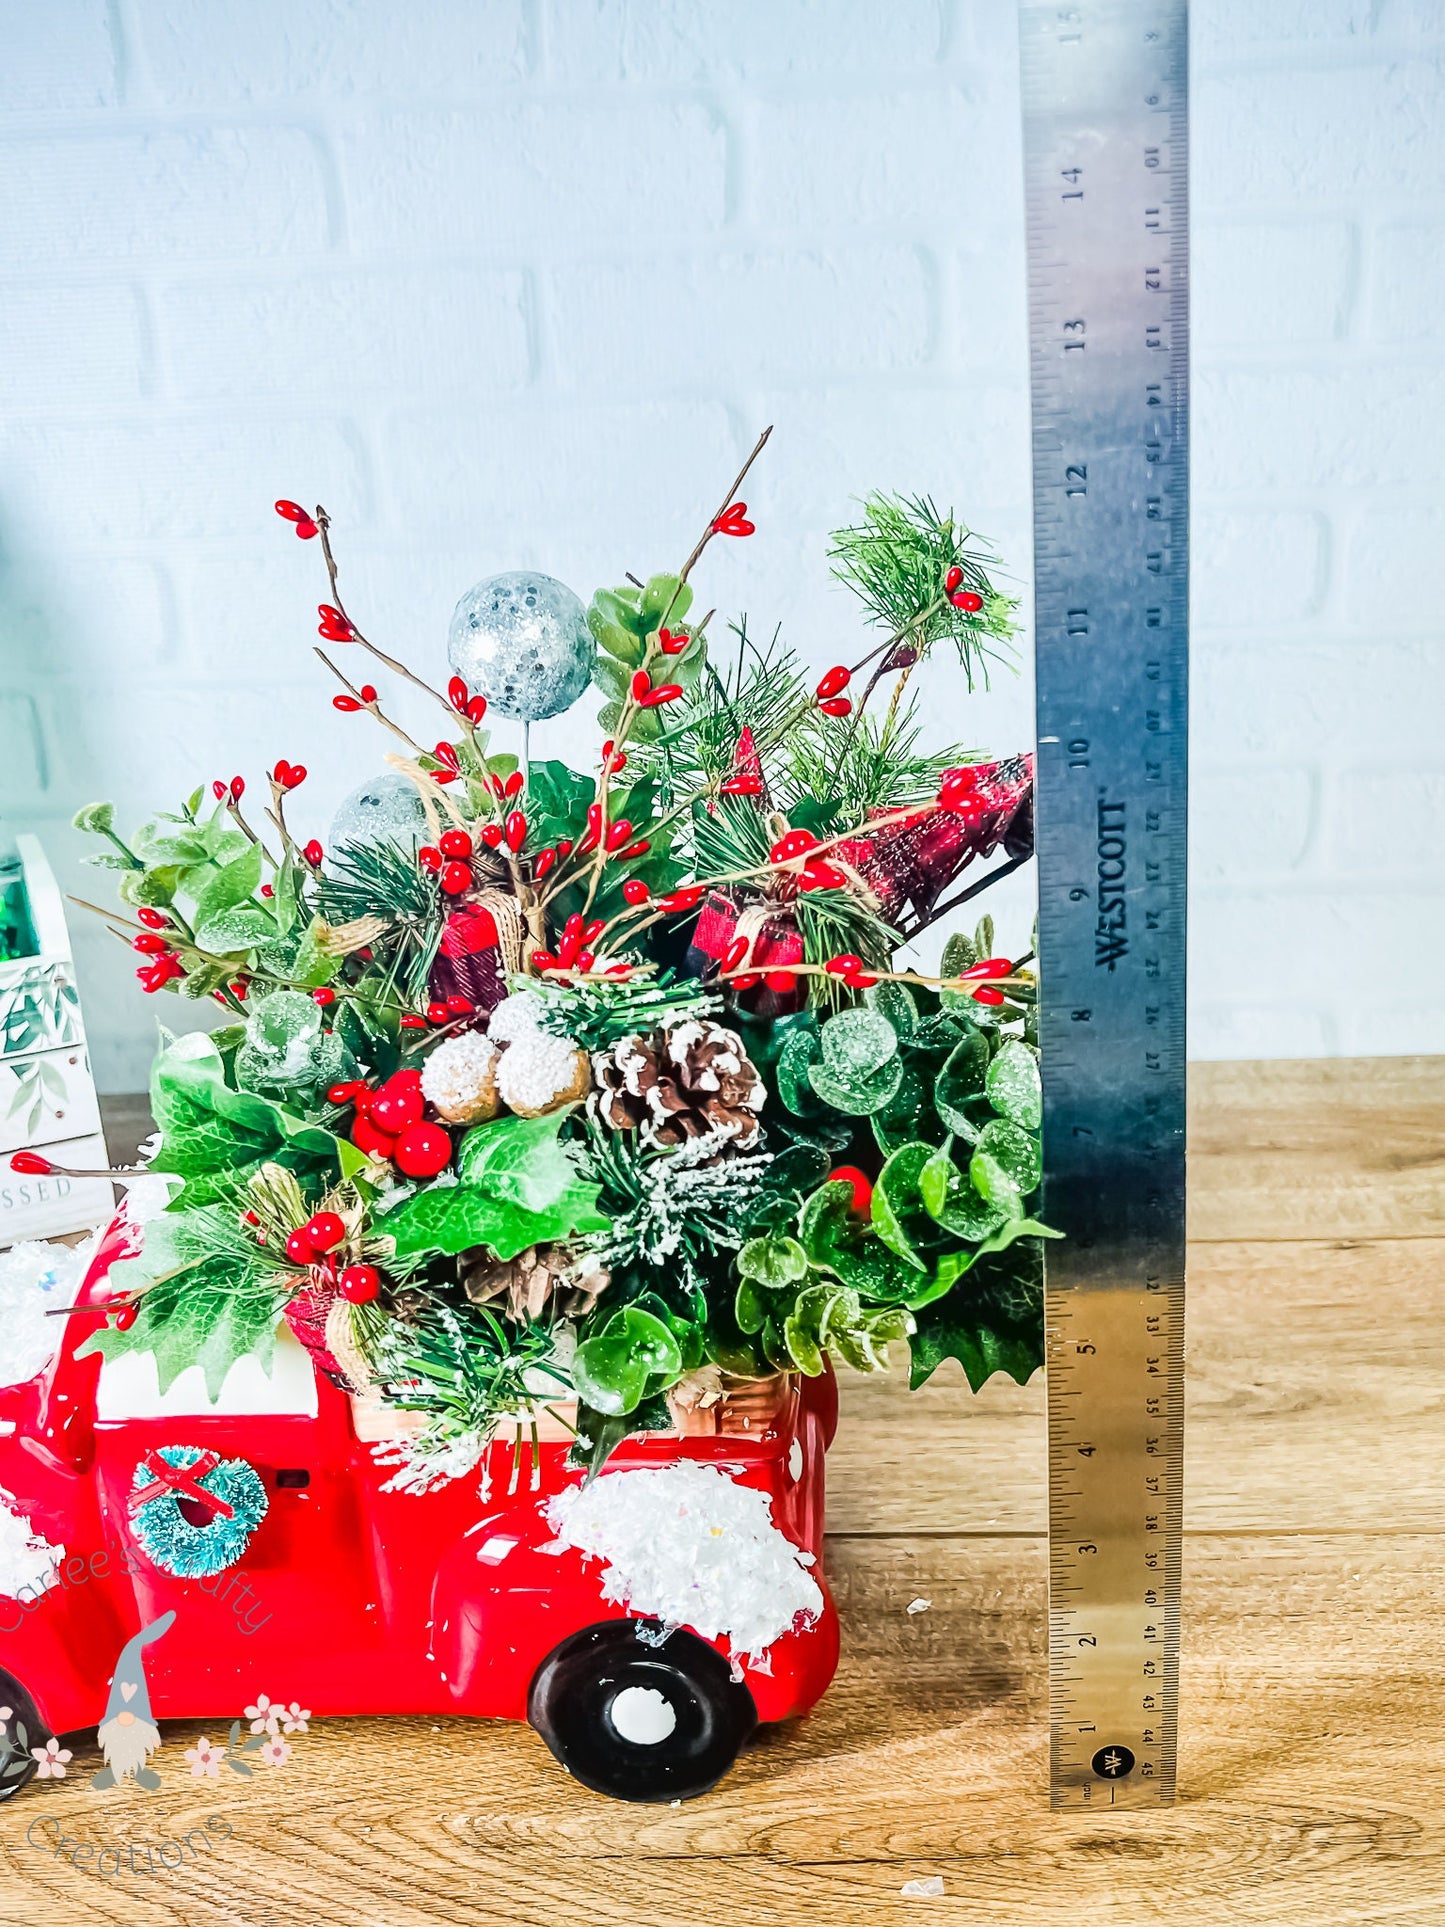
(614,1087)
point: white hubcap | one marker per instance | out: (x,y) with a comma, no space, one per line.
(643,1715)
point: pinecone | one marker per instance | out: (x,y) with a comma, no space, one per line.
(694,1080)
(540,1279)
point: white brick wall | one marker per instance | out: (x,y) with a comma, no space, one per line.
(515,281)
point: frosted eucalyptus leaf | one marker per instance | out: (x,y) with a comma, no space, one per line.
(949,1197)
(962,1077)
(958,955)
(908,1114)
(1017,1151)
(853,1092)
(857,1044)
(894,1003)
(1013,1085)
(994,1183)
(800,1051)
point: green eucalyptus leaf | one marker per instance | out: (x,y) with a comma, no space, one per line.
(611,677)
(774,1261)
(612,1369)
(897,1204)
(750,1307)
(665,599)
(994,1184)
(803,1347)
(1013,1085)
(949,1197)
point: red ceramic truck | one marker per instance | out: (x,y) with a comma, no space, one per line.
(359,1601)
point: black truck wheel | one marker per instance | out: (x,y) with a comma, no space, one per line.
(23,1729)
(641,1720)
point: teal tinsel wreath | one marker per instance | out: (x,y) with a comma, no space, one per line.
(169,1539)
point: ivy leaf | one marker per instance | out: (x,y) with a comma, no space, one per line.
(216,1137)
(202,1305)
(1013,1085)
(452,1218)
(519,1158)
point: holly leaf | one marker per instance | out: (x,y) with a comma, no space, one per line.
(202,1305)
(997,1326)
(215,1137)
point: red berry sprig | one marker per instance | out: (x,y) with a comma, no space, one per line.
(306,528)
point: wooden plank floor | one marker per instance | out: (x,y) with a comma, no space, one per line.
(1313,1759)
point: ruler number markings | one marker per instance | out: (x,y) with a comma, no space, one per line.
(1106,162)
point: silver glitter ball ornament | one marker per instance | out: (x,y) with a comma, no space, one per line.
(522,641)
(388,808)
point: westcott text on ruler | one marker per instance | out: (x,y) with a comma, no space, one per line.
(1105,141)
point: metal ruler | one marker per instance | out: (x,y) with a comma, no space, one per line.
(1105,140)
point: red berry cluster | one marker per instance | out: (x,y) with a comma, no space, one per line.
(390,1123)
(464,702)
(964,599)
(314,1244)
(293,512)
(850,968)
(958,794)
(829,692)
(164,965)
(449,860)
(816,872)
(572,952)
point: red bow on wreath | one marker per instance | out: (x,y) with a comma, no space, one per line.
(183,1480)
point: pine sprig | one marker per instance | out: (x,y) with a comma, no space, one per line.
(384,880)
(868,763)
(897,561)
(596,1014)
(757,689)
